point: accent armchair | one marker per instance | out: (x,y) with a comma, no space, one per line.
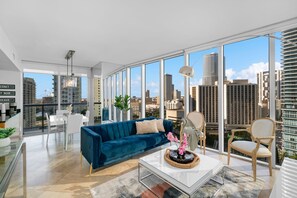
(262,133)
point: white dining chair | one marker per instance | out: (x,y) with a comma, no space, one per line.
(74,122)
(52,125)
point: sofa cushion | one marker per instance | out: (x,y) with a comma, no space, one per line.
(159,124)
(132,144)
(148,126)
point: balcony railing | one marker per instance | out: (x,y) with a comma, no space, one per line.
(34,115)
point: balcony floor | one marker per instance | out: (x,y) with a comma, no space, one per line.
(53,172)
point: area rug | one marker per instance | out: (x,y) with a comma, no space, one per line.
(236,184)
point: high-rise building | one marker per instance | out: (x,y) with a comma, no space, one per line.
(194,93)
(242,103)
(97,97)
(289,91)
(68,95)
(177,94)
(207,103)
(263,88)
(168,91)
(210,69)
(241,106)
(49,100)
(29,97)
(147,94)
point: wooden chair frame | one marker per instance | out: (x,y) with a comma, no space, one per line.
(253,154)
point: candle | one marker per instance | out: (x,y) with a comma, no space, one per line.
(3,111)
(3,117)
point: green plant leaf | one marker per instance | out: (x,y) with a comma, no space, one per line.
(6,132)
(122,102)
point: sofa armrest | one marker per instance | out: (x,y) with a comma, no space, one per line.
(168,126)
(90,146)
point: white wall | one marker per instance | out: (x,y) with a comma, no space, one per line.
(8,49)
(49,68)
(15,77)
(108,68)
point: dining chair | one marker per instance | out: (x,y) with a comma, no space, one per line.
(74,122)
(199,123)
(52,126)
(262,132)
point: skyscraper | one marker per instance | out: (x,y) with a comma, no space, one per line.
(68,95)
(289,91)
(168,88)
(263,88)
(210,69)
(29,97)
(242,103)
(241,106)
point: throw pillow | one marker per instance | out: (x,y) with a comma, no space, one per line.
(146,127)
(159,123)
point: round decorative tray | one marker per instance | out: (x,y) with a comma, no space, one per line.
(191,159)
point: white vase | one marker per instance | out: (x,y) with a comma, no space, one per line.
(4,142)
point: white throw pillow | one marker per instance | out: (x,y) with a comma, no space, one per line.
(159,123)
(146,127)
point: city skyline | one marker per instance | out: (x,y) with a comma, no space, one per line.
(237,66)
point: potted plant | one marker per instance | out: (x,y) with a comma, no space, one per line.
(4,136)
(122,103)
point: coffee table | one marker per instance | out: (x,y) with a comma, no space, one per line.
(187,181)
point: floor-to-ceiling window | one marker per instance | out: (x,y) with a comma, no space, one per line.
(174,90)
(246,85)
(135,101)
(152,92)
(124,90)
(38,99)
(204,91)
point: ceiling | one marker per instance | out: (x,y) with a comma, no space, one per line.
(126,31)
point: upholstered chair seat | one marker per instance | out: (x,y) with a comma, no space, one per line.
(248,146)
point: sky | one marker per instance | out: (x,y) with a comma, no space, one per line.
(44,84)
(243,59)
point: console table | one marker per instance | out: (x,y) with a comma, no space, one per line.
(9,157)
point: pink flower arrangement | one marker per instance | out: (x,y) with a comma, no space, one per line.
(182,147)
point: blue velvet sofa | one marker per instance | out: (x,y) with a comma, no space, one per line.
(113,142)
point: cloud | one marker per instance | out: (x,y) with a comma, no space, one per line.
(278,66)
(136,81)
(250,73)
(230,73)
(152,84)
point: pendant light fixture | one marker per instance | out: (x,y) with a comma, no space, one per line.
(70,80)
